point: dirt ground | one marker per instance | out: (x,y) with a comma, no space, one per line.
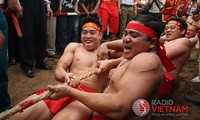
(20,87)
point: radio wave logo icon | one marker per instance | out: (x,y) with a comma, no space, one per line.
(141,107)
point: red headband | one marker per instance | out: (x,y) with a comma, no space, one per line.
(91,24)
(160,49)
(141,28)
(176,23)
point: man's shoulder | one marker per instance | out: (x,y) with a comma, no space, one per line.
(182,41)
(178,43)
(145,59)
(144,55)
(73,46)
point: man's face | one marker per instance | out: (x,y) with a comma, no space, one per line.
(195,17)
(90,37)
(173,31)
(191,32)
(134,42)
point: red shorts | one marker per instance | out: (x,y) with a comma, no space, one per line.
(56,105)
(167,85)
(109,14)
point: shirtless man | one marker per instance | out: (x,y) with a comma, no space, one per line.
(128,83)
(193,35)
(78,59)
(177,46)
(178,49)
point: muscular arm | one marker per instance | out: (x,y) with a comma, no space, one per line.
(65,61)
(193,41)
(182,46)
(115,45)
(110,49)
(132,86)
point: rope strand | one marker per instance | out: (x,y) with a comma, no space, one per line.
(20,107)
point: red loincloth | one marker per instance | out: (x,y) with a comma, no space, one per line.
(167,85)
(56,105)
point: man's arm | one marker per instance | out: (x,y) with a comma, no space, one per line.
(106,65)
(65,61)
(182,47)
(94,11)
(119,5)
(140,80)
(76,7)
(84,8)
(104,52)
(193,41)
(15,6)
(49,10)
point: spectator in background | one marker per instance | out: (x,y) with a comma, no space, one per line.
(169,9)
(65,32)
(13,6)
(182,9)
(127,9)
(194,19)
(109,16)
(191,7)
(51,27)
(89,8)
(139,5)
(33,42)
(156,9)
(13,43)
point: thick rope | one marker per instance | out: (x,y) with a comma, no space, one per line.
(20,107)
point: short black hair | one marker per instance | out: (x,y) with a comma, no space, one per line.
(196,12)
(150,22)
(91,19)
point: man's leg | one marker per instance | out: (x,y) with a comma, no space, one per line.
(39,111)
(123,20)
(74,111)
(51,36)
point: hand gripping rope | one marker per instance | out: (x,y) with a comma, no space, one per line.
(20,107)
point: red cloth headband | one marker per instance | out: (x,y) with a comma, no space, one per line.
(141,28)
(166,62)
